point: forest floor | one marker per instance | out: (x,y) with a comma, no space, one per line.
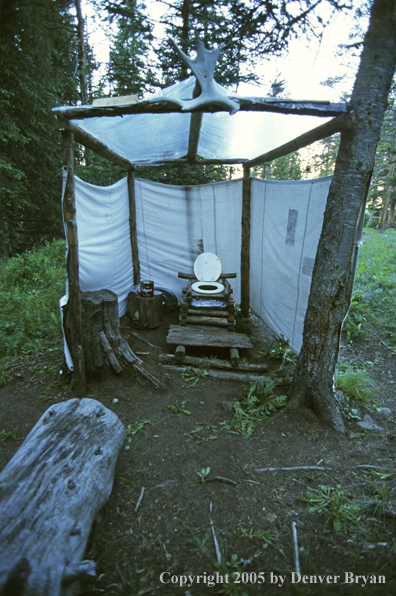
(166,545)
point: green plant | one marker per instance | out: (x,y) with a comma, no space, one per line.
(203,474)
(266,538)
(260,403)
(280,349)
(229,568)
(335,505)
(7,435)
(136,427)
(206,433)
(179,409)
(194,375)
(47,395)
(379,503)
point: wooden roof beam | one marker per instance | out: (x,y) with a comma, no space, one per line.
(92,143)
(167,106)
(343,122)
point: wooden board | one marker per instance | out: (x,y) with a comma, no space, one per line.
(190,335)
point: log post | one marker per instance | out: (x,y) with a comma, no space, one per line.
(245,245)
(72,321)
(132,226)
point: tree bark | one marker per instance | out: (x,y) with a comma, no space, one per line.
(82,60)
(333,275)
(51,492)
(388,190)
(391,218)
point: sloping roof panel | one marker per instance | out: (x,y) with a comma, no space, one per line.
(154,138)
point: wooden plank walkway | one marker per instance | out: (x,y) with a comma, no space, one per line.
(192,335)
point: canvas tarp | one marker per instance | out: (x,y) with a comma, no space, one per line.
(176,223)
(286,223)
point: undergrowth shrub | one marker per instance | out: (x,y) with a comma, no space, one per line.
(260,403)
(31,285)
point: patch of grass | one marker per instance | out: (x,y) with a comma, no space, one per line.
(197,544)
(374,297)
(341,510)
(355,384)
(31,285)
(260,403)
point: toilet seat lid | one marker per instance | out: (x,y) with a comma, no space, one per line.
(207,267)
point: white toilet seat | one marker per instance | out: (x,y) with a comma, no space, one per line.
(207,269)
(207,287)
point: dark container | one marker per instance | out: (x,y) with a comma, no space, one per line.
(147,288)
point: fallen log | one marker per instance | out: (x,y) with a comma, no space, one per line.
(50,493)
(212,363)
(225,375)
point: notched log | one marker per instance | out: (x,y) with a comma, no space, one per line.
(51,492)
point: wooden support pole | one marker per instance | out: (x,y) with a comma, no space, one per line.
(72,322)
(193,139)
(89,141)
(132,226)
(343,122)
(245,246)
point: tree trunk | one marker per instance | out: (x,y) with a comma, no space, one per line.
(333,275)
(388,189)
(391,218)
(82,60)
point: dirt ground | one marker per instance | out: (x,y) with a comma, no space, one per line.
(252,513)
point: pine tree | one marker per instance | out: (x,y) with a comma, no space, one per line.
(38,64)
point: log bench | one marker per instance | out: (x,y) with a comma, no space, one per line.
(50,493)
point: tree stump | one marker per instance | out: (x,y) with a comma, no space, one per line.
(50,493)
(103,343)
(145,312)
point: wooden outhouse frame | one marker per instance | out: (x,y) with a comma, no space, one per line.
(341,120)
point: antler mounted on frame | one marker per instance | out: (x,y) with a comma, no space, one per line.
(203,67)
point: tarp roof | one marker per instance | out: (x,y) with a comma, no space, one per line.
(147,138)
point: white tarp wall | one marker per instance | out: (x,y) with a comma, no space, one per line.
(176,223)
(286,223)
